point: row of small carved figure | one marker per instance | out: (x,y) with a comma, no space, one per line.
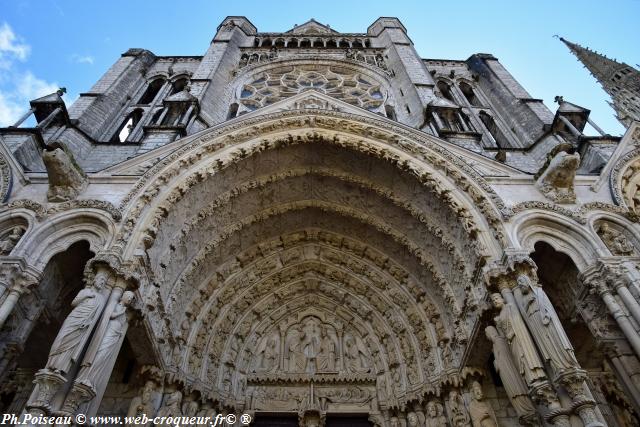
(478,412)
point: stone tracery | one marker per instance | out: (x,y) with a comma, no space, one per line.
(275,84)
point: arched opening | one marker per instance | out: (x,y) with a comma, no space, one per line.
(469,94)
(391,113)
(331,43)
(584,317)
(493,129)
(233,111)
(179,85)
(152,90)
(445,90)
(128,125)
(305,43)
(301,254)
(34,324)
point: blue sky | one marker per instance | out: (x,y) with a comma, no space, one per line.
(49,43)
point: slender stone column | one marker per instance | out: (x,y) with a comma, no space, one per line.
(22,284)
(629,301)
(98,362)
(626,379)
(69,345)
(616,311)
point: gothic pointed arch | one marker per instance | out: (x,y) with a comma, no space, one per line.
(256,231)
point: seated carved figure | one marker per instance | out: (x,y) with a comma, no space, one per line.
(556,182)
(615,240)
(11,240)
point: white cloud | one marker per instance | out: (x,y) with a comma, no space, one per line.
(15,101)
(11,47)
(17,86)
(82,59)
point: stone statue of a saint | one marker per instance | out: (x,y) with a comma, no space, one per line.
(327,359)
(512,381)
(11,240)
(77,327)
(143,404)
(446,353)
(482,414)
(432,415)
(523,350)
(545,326)
(459,415)
(311,344)
(269,356)
(190,408)
(98,362)
(442,419)
(412,420)
(355,358)
(294,355)
(171,407)
(616,241)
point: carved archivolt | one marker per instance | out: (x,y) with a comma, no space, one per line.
(631,186)
(625,177)
(254,312)
(261,277)
(428,179)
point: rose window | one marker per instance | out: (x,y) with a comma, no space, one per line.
(277,84)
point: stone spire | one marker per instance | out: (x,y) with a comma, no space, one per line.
(619,80)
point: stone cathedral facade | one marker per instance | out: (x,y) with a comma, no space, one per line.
(321,229)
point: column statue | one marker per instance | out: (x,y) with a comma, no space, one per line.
(77,327)
(512,327)
(513,382)
(482,414)
(98,362)
(545,326)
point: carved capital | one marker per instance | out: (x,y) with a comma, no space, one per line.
(17,276)
(121,274)
(504,273)
(47,385)
(603,276)
(80,393)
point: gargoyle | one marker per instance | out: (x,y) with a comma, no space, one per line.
(66,179)
(556,182)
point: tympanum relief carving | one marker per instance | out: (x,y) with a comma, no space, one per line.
(311,347)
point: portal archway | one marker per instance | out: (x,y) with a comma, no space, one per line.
(313,247)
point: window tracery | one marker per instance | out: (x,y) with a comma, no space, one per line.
(274,85)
